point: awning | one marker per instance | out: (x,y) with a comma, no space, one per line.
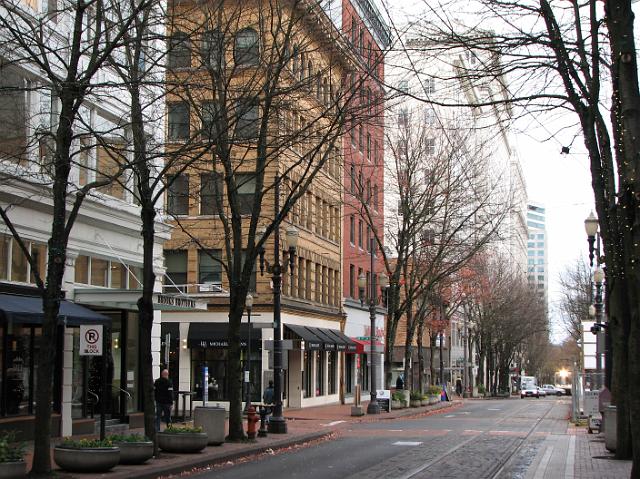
(311,340)
(344,342)
(323,338)
(127,299)
(28,310)
(364,346)
(215,335)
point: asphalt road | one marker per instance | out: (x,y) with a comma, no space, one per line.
(483,439)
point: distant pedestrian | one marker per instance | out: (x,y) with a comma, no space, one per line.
(399,383)
(268,395)
(163,393)
(459,387)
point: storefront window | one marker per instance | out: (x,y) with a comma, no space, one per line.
(308,374)
(39,255)
(4,256)
(364,372)
(332,366)
(320,373)
(118,276)
(135,277)
(99,270)
(82,270)
(19,371)
(18,264)
(348,373)
(132,378)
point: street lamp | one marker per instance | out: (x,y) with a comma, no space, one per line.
(591,228)
(373,406)
(248,305)
(277,423)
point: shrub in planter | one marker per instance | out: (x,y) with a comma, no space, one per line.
(86,455)
(415,399)
(134,448)
(434,394)
(12,465)
(397,400)
(182,439)
(481,390)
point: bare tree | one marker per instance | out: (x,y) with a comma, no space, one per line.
(67,45)
(578,58)
(577,296)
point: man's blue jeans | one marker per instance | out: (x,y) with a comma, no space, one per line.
(163,410)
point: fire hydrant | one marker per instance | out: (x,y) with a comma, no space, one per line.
(252,423)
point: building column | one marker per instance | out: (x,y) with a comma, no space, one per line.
(184,361)
(66,422)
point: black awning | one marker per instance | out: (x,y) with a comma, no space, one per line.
(343,342)
(28,310)
(311,340)
(216,335)
(330,342)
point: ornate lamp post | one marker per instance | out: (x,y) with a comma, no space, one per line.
(373,406)
(277,423)
(248,305)
(598,278)
(591,228)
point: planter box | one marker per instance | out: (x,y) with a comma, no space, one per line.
(425,402)
(610,428)
(211,420)
(97,459)
(434,399)
(182,442)
(396,405)
(13,470)
(415,403)
(135,452)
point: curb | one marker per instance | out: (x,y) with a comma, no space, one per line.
(151,472)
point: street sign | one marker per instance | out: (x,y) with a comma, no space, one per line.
(90,340)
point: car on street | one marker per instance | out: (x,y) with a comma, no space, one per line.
(552,390)
(530,390)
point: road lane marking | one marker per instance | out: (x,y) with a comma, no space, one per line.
(494,409)
(395,430)
(450,415)
(333,423)
(407,443)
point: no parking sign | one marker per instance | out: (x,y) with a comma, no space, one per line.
(90,340)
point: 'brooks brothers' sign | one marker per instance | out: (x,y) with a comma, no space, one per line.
(177,301)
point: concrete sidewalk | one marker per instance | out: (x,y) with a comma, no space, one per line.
(304,426)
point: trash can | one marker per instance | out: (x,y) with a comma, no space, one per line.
(211,419)
(610,428)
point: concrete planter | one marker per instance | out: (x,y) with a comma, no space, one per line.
(396,405)
(434,399)
(135,452)
(90,459)
(424,402)
(211,420)
(182,442)
(610,428)
(13,470)
(415,403)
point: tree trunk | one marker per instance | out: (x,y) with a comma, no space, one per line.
(420,356)
(236,308)
(432,366)
(408,350)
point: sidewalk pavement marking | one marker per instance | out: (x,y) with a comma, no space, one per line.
(450,415)
(543,464)
(571,457)
(494,409)
(334,423)
(395,430)
(407,443)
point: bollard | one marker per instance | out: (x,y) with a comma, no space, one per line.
(252,419)
(263,421)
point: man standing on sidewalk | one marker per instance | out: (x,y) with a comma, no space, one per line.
(163,393)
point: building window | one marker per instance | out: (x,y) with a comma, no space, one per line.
(360,233)
(403,117)
(360,138)
(247,114)
(210,193)
(430,85)
(320,373)
(430,116)
(209,266)
(13,116)
(352,229)
(375,197)
(307,388)
(99,272)
(352,281)
(109,169)
(178,121)
(352,179)
(212,49)
(178,195)
(246,50)
(176,264)
(179,50)
(246,188)
(430,146)
(210,115)
(332,368)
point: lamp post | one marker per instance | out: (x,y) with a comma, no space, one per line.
(373,406)
(591,228)
(598,278)
(248,305)
(277,423)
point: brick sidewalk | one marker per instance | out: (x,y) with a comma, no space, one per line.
(304,426)
(594,461)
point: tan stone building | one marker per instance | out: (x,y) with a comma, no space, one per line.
(252,97)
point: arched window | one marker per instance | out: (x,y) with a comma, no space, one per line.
(212,49)
(302,63)
(294,62)
(247,49)
(318,87)
(179,50)
(325,92)
(310,70)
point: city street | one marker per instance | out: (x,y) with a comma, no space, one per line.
(528,438)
